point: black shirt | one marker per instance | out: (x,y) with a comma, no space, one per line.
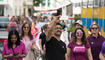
(43,38)
(55,50)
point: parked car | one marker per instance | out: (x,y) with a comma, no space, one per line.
(4,21)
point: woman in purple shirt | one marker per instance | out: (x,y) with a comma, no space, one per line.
(14,49)
(79,48)
(96,41)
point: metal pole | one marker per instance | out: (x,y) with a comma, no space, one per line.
(103,14)
(81,6)
(86,12)
(98,11)
(93,11)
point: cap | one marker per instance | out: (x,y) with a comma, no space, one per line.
(78,22)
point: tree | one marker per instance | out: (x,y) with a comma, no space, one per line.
(37,2)
(77,17)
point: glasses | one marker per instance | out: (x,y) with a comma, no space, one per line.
(26,27)
(94,28)
(58,28)
(79,33)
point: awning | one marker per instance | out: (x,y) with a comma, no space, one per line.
(47,15)
(71,17)
(50,12)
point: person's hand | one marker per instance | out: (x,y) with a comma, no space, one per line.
(11,55)
(17,56)
(34,42)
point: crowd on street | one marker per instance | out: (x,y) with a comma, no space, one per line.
(46,38)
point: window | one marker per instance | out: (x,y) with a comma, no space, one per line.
(48,2)
(44,3)
(96,3)
(1,10)
(90,3)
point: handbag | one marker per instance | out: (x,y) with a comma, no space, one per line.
(33,54)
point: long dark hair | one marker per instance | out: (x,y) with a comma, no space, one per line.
(13,32)
(83,39)
(29,33)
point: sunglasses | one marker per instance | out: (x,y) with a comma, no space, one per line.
(79,33)
(94,28)
(58,28)
(26,27)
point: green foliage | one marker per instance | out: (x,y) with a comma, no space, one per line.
(77,17)
(72,28)
(37,2)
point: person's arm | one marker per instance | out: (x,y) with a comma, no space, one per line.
(102,53)
(68,54)
(101,56)
(41,47)
(7,56)
(24,52)
(20,56)
(89,54)
(49,32)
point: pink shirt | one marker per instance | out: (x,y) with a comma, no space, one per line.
(13,24)
(18,49)
(27,42)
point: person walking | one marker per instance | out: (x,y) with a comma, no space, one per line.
(14,49)
(55,48)
(95,41)
(79,48)
(34,30)
(42,40)
(30,43)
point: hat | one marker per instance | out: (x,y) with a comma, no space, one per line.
(78,22)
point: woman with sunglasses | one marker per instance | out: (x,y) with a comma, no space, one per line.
(79,48)
(14,49)
(96,41)
(29,42)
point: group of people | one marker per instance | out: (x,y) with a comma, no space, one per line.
(23,46)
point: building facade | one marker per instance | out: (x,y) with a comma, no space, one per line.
(54,5)
(16,7)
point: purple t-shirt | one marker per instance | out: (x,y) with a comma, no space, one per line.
(103,48)
(78,51)
(19,49)
(96,45)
